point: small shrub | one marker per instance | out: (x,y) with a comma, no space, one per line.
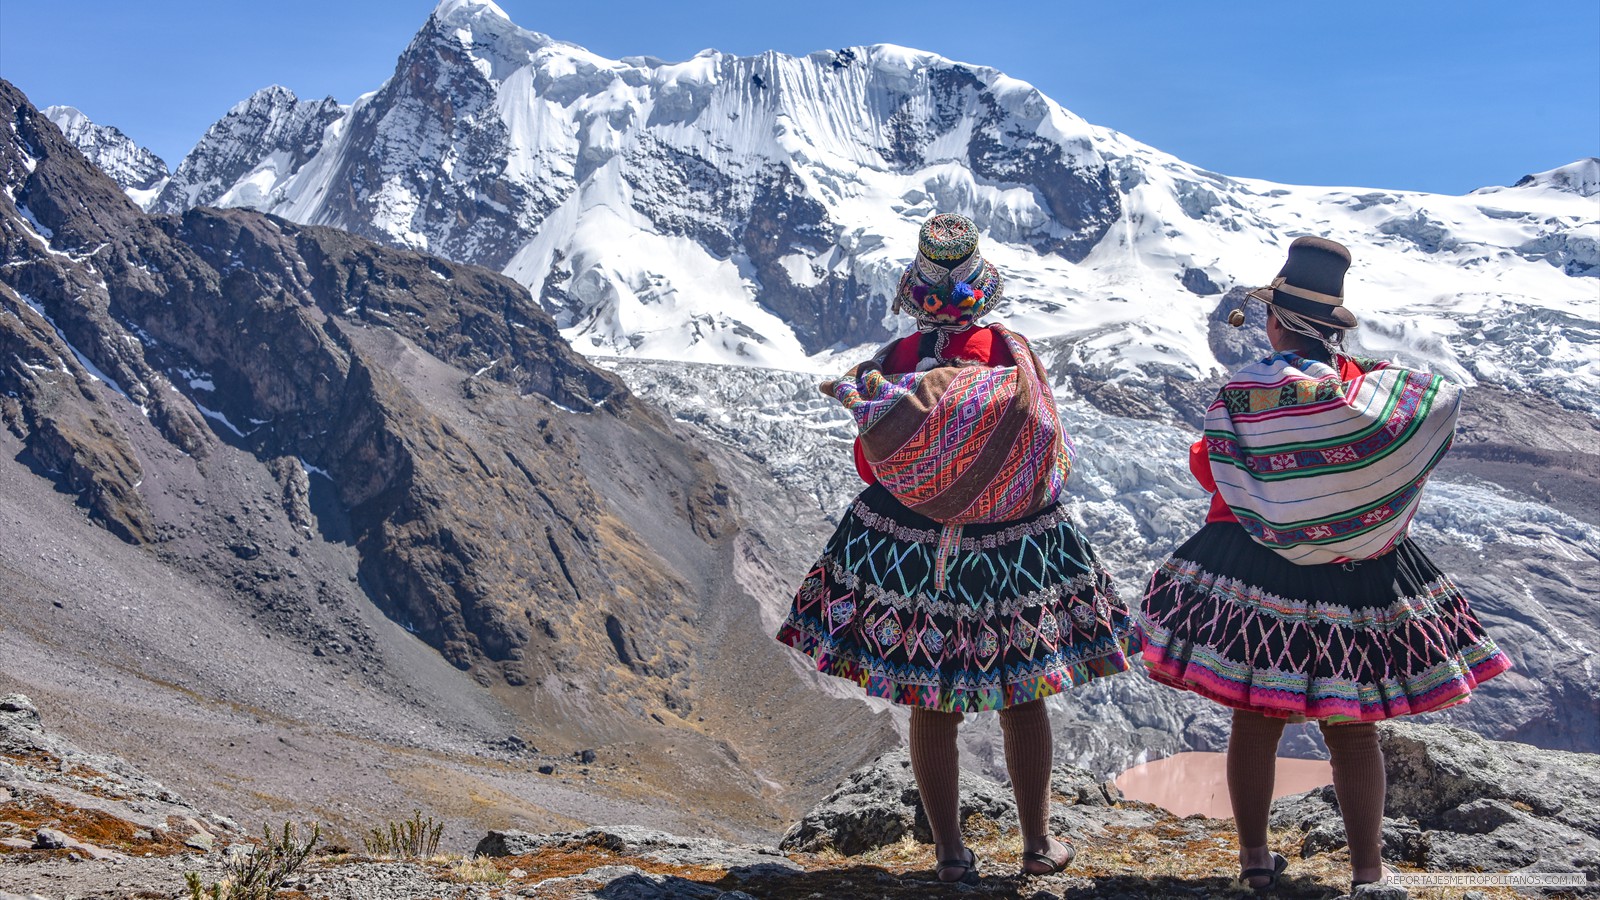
(477,870)
(415,838)
(258,873)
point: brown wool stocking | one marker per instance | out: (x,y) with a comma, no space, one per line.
(1359,782)
(1029,757)
(936,765)
(1252,757)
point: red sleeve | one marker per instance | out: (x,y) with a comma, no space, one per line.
(862,469)
(1200,466)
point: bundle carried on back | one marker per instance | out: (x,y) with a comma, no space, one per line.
(961,444)
(1321,469)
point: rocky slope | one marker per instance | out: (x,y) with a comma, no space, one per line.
(291,429)
(1457,803)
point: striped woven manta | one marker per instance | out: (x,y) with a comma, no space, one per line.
(1324,470)
(961,444)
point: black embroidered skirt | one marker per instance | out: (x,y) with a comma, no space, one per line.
(1025,610)
(1235,622)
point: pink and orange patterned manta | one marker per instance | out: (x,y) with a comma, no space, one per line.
(961,445)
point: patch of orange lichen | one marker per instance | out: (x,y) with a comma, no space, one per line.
(23,816)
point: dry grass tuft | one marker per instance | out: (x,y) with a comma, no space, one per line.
(477,870)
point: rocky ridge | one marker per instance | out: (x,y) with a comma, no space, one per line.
(268,135)
(1457,803)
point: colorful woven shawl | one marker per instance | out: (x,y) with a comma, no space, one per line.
(961,444)
(1323,470)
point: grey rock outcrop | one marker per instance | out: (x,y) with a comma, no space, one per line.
(878,804)
(658,846)
(271,126)
(1460,802)
(40,770)
(33,760)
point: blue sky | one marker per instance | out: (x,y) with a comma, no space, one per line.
(1411,94)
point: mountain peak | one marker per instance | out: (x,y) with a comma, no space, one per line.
(65,116)
(136,169)
(273,95)
(498,45)
(458,10)
(1581,177)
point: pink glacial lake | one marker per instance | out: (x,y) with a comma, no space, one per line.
(1188,783)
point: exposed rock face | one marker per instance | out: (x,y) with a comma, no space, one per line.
(1459,802)
(1196,281)
(253,309)
(1235,347)
(406,189)
(878,805)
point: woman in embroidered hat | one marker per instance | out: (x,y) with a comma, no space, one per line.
(956,582)
(1302,596)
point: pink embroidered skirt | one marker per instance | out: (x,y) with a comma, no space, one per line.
(1237,623)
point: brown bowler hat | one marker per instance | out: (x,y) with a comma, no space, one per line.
(1311,282)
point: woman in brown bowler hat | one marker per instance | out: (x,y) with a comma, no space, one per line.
(1302,597)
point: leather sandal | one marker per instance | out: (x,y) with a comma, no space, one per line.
(1055,866)
(1356,886)
(969,867)
(1279,864)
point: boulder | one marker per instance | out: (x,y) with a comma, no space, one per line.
(879,804)
(1435,769)
(18,718)
(1460,802)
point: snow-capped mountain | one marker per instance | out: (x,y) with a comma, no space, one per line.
(262,140)
(758,210)
(136,169)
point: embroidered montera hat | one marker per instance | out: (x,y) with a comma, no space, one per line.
(949,285)
(1311,282)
